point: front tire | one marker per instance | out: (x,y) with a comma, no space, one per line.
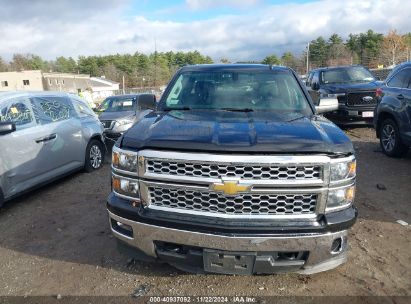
(94,156)
(390,139)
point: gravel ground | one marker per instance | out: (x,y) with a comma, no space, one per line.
(56,241)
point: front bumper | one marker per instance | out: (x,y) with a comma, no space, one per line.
(317,257)
(351,115)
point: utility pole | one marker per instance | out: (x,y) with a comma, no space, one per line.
(155,63)
(124,92)
(308,56)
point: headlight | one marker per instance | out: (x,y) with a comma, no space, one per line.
(125,186)
(123,122)
(332,95)
(343,170)
(340,198)
(124,160)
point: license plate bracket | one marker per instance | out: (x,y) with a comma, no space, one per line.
(228,262)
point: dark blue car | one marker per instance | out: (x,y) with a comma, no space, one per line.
(354,86)
(393,114)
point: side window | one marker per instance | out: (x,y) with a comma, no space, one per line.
(174,96)
(309,79)
(315,78)
(18,111)
(82,108)
(54,108)
(399,80)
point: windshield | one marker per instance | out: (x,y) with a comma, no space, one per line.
(346,75)
(118,104)
(238,91)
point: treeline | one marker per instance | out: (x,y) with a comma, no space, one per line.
(370,49)
(140,70)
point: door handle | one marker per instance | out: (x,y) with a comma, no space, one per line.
(52,136)
(400,96)
(46,138)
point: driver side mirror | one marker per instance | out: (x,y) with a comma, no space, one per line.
(147,102)
(315,86)
(327,105)
(7,127)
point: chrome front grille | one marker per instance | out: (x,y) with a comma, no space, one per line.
(107,124)
(220,170)
(206,201)
(234,185)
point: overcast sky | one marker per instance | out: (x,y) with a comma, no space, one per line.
(234,29)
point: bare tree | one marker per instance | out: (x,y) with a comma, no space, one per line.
(3,65)
(393,47)
(338,54)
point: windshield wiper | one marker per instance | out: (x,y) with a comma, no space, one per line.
(237,109)
(178,109)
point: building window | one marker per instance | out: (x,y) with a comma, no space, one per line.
(49,81)
(57,81)
(62,81)
(4,84)
(26,82)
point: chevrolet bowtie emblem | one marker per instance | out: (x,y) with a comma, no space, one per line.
(229,187)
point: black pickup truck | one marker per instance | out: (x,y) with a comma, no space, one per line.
(354,86)
(234,172)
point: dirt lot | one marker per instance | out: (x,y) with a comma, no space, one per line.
(56,241)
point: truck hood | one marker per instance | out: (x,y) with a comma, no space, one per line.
(351,87)
(223,131)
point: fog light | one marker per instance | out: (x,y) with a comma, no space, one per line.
(121,228)
(337,245)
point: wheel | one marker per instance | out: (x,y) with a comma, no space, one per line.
(390,139)
(94,156)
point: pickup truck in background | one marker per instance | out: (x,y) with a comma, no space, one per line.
(234,172)
(354,86)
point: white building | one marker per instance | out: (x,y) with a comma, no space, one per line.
(102,87)
(21,81)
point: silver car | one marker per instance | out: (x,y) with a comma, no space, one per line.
(43,136)
(118,113)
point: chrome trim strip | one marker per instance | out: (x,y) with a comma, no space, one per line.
(134,199)
(235,216)
(244,160)
(205,180)
(253,190)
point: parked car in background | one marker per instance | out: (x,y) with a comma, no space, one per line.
(43,136)
(393,113)
(355,88)
(119,113)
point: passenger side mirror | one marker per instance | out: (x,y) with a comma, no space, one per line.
(327,105)
(315,86)
(7,127)
(147,102)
